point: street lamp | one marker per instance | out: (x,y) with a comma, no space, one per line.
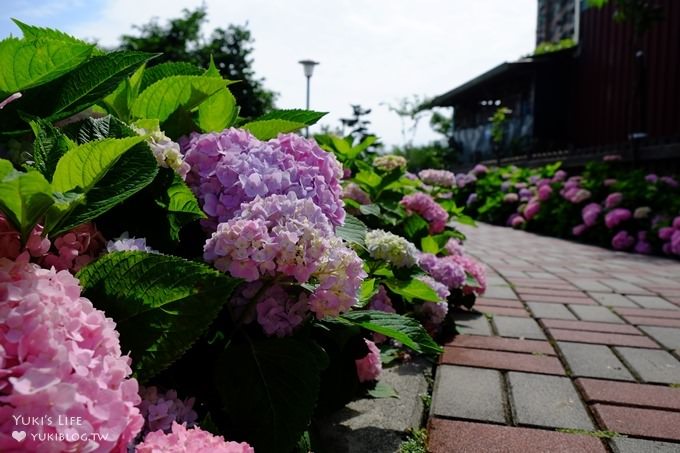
(308,66)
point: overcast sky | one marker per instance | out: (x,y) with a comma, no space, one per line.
(371,52)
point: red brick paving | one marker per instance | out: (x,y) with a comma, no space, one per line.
(610,339)
(591,326)
(655,396)
(502,360)
(527,262)
(640,422)
(503,344)
(449,436)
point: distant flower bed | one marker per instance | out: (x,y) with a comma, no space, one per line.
(624,210)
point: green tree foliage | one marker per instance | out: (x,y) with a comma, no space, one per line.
(231,48)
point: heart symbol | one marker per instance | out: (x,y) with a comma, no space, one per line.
(19,436)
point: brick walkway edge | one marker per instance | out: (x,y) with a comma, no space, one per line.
(573,348)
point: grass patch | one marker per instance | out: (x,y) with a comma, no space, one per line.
(415,443)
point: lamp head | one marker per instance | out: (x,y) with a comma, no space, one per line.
(308,66)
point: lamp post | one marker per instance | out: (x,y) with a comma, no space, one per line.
(308,66)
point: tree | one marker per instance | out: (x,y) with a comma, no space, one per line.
(358,125)
(181,40)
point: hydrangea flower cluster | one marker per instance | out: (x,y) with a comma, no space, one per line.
(425,206)
(279,312)
(475,269)
(590,213)
(354,192)
(166,152)
(622,240)
(75,248)
(532,208)
(391,248)
(233,167)
(616,217)
(454,247)
(125,243)
(671,238)
(61,357)
(370,366)
(441,178)
(381,301)
(613,200)
(160,410)
(433,314)
(511,197)
(464,179)
(443,269)
(10,241)
(183,440)
(389,162)
(283,236)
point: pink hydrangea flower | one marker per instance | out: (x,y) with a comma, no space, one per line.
(617,216)
(182,440)
(445,270)
(544,192)
(454,247)
(609,182)
(511,198)
(354,192)
(280,313)
(578,230)
(479,169)
(233,167)
(160,409)
(613,200)
(642,212)
(665,233)
(471,199)
(441,178)
(10,241)
(477,270)
(642,245)
(560,175)
(532,208)
(61,357)
(381,301)
(370,366)
(622,240)
(425,206)
(516,221)
(75,248)
(590,213)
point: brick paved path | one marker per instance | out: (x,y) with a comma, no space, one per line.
(571,340)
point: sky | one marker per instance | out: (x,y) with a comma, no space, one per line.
(373,53)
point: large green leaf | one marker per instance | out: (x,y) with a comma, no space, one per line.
(24,197)
(353,231)
(164,70)
(28,63)
(82,167)
(269,389)
(268,129)
(405,330)
(49,145)
(412,289)
(181,205)
(307,117)
(218,112)
(165,96)
(33,32)
(95,79)
(161,304)
(120,99)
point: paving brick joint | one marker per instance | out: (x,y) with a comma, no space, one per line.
(573,344)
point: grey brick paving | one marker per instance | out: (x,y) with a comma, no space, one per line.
(550,401)
(594,360)
(628,445)
(654,302)
(472,324)
(589,285)
(595,313)
(621,286)
(550,311)
(613,300)
(500,292)
(518,327)
(652,365)
(667,336)
(470,393)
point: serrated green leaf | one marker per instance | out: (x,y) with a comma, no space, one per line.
(32,32)
(120,99)
(95,79)
(368,289)
(49,145)
(218,112)
(271,395)
(368,178)
(181,205)
(268,129)
(306,117)
(363,146)
(29,63)
(353,231)
(82,167)
(415,225)
(412,289)
(24,197)
(161,304)
(383,390)
(165,96)
(341,145)
(405,330)
(164,70)
(370,209)
(428,244)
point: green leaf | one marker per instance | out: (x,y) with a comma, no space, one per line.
(353,231)
(369,178)
(32,32)
(405,330)
(24,197)
(49,145)
(165,70)
(383,390)
(465,220)
(367,290)
(363,146)
(181,205)
(268,129)
(120,100)
(83,166)
(412,289)
(218,112)
(370,209)
(415,225)
(341,145)
(165,96)
(161,304)
(428,244)
(269,389)
(134,170)
(28,63)
(306,117)
(95,79)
